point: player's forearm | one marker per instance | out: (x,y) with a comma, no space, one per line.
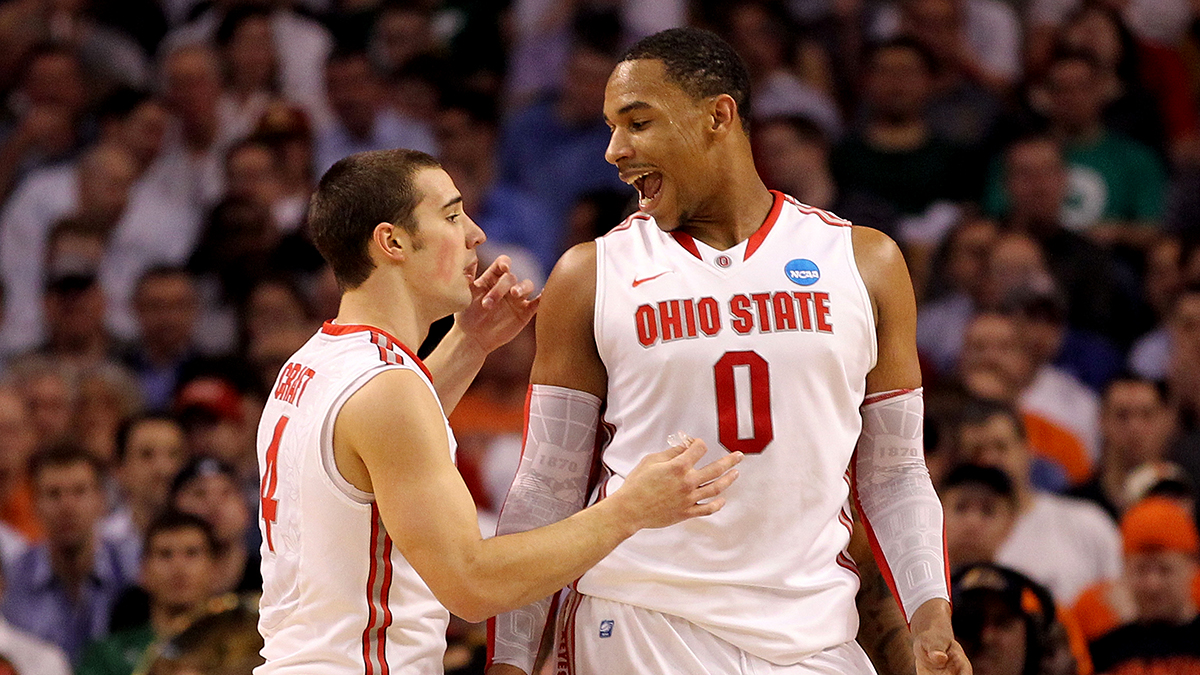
(454,365)
(881,629)
(513,570)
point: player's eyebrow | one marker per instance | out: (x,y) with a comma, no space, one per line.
(628,108)
(452,202)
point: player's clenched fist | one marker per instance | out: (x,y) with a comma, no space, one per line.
(667,487)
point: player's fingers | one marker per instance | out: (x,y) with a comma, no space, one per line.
(499,289)
(691,454)
(521,290)
(716,487)
(713,469)
(492,274)
(531,305)
(959,663)
(706,509)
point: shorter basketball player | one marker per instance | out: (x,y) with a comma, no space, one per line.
(369,533)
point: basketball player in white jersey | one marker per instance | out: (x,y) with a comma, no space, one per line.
(766,327)
(369,533)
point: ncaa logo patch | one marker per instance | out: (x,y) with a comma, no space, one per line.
(606,628)
(802,272)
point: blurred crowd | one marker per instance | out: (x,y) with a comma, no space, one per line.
(1037,160)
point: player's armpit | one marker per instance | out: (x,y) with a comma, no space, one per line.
(566,340)
(882,632)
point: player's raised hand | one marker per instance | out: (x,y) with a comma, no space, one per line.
(935,650)
(501,306)
(667,487)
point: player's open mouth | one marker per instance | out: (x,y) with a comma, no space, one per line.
(649,187)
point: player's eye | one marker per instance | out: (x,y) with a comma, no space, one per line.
(638,126)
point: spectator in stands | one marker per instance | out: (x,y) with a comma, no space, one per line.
(43,127)
(23,652)
(1066,544)
(896,156)
(108,394)
(983,37)
(1136,426)
(1119,186)
(955,292)
(763,36)
(301,47)
(1161,551)
(51,393)
(512,217)
(401,33)
(968,93)
(63,590)
(1170,262)
(167,305)
(1183,377)
(563,136)
(996,365)
(794,155)
(201,130)
(208,488)
(286,131)
(1042,205)
(177,574)
(74,303)
(1009,625)
(18,441)
(136,121)
(151,450)
(94,190)
(226,643)
(243,39)
(980,507)
(361,121)
(1054,392)
(218,424)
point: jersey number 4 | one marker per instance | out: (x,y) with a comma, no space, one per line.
(743,428)
(270,481)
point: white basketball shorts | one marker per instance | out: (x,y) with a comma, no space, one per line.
(602,637)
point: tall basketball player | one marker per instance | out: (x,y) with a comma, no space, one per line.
(768,327)
(369,533)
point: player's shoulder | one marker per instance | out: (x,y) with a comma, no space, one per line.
(576,266)
(801,210)
(879,260)
(376,400)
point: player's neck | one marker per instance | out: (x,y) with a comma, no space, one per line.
(386,305)
(734,212)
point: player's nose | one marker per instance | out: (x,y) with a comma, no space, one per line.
(475,234)
(618,147)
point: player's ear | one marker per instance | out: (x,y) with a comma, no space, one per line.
(724,113)
(390,241)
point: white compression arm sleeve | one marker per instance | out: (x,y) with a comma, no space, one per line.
(896,500)
(550,485)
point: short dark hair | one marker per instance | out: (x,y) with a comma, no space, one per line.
(125,430)
(910,43)
(700,63)
(173,521)
(356,194)
(122,103)
(61,455)
(979,411)
(162,271)
(972,475)
(234,18)
(1129,377)
(804,127)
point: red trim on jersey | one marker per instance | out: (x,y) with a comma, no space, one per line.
(566,639)
(761,233)
(685,240)
(628,222)
(877,397)
(876,549)
(366,638)
(381,338)
(829,218)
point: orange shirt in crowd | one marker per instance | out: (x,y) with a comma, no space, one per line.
(1106,606)
(1052,442)
(17,512)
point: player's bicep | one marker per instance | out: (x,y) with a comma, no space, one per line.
(886,276)
(395,427)
(566,344)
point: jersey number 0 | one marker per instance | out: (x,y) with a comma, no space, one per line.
(727,402)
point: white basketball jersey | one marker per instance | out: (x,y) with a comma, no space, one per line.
(338,597)
(762,348)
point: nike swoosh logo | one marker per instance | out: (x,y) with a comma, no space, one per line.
(639,282)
